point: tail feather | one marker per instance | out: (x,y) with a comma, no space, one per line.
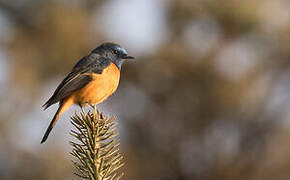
(51,125)
(62,108)
(48,103)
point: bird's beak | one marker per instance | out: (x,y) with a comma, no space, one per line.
(129,57)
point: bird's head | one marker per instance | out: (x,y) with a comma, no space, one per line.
(114,52)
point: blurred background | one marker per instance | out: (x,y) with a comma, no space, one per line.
(208,96)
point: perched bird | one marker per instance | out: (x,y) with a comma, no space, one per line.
(93,79)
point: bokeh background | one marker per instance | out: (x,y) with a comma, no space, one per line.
(208,96)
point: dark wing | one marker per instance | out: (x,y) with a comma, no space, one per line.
(77,79)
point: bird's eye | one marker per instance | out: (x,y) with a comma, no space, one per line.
(115,52)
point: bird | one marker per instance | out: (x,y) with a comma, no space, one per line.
(93,79)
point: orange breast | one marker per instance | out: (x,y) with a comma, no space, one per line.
(101,87)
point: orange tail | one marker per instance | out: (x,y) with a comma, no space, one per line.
(61,109)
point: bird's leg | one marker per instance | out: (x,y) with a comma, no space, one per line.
(81,106)
(92,105)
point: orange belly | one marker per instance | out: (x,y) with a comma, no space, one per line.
(101,87)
